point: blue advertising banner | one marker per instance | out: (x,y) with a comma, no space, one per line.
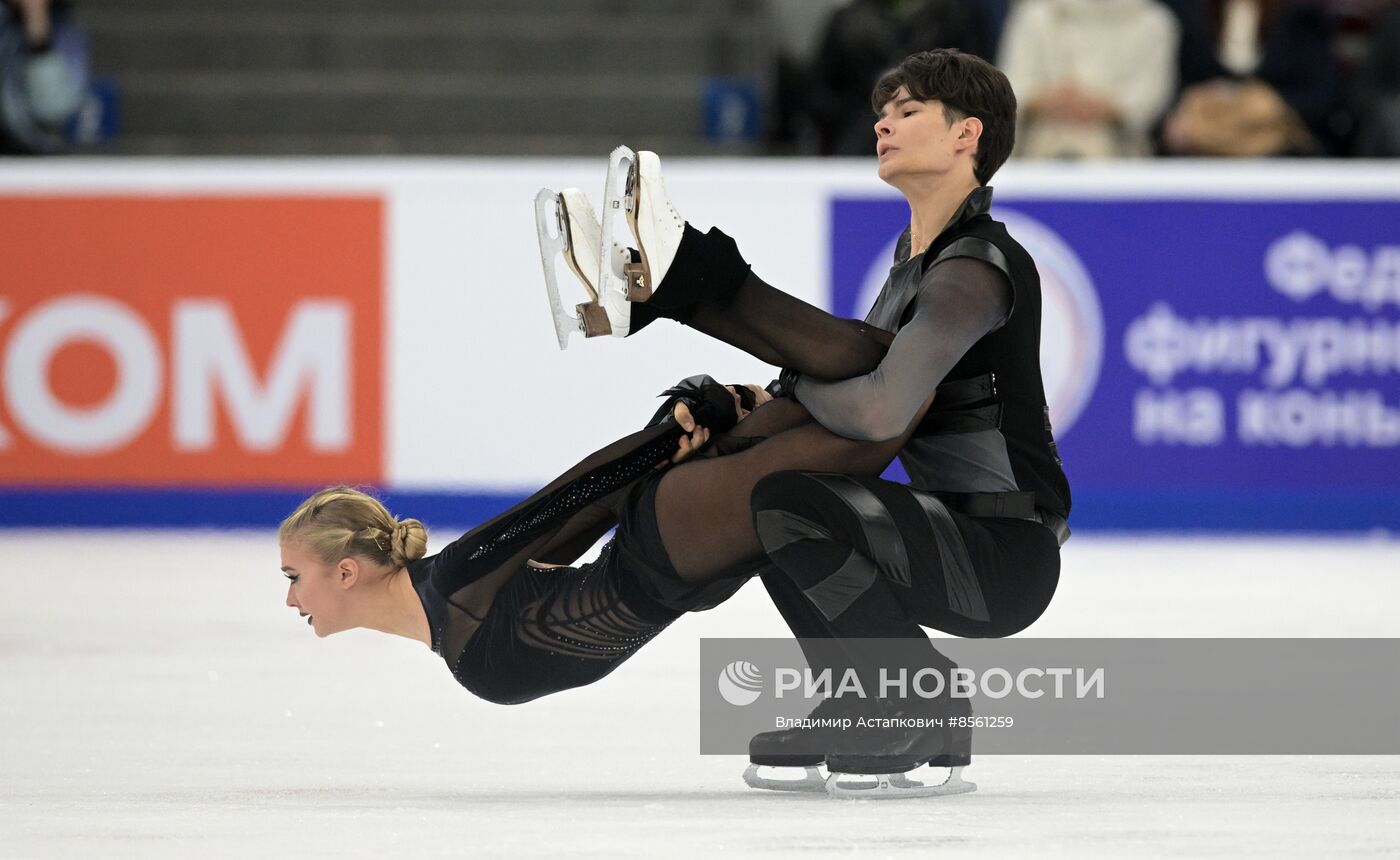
(1208,364)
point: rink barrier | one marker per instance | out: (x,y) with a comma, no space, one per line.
(228,509)
(162,343)
(1339,512)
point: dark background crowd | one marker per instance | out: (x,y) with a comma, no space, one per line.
(1095,78)
(1122,78)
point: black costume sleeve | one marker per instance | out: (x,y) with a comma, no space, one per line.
(960,300)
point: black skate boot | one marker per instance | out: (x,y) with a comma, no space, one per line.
(801,746)
(937,733)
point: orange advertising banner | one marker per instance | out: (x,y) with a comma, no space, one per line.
(191,340)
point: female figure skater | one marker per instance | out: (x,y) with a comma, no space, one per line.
(502,606)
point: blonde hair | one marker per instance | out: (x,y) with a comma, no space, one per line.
(339,522)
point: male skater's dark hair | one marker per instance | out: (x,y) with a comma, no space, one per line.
(967,86)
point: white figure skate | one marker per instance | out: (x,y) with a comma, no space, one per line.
(890,786)
(636,190)
(568,228)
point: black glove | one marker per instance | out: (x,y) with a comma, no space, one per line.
(785,385)
(710,404)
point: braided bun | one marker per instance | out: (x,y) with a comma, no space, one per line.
(342,521)
(409,542)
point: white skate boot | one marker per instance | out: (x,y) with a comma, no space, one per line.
(635,189)
(577,238)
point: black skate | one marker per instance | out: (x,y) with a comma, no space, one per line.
(802,747)
(876,764)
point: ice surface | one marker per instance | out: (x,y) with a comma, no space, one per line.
(157,699)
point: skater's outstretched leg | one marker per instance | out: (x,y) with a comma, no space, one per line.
(783,330)
(702,280)
(567,515)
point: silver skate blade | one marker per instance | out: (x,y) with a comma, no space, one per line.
(612,285)
(894,786)
(547,216)
(812,781)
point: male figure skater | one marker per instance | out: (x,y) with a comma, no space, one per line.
(971,546)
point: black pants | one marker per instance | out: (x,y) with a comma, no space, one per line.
(860,557)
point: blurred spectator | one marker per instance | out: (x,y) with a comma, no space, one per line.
(1258,79)
(1091,77)
(866,38)
(43,75)
(1378,87)
(1352,22)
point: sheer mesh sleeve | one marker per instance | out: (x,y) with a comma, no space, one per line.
(960,300)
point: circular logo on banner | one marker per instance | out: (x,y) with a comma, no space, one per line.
(1071,321)
(740,683)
